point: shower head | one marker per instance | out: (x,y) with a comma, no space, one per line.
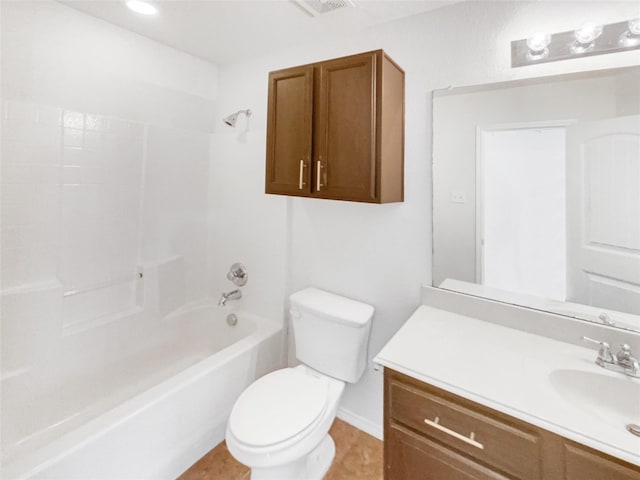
(233,118)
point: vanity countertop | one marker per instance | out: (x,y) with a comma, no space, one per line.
(517,373)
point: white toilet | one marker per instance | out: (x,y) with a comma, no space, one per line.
(279,425)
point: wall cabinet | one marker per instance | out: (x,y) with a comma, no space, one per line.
(335,129)
(431,434)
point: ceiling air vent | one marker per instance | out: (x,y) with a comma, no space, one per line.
(320,7)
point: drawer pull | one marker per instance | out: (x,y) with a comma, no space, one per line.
(471,440)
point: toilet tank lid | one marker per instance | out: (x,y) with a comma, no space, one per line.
(335,307)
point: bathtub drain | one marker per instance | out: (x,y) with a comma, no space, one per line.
(232,319)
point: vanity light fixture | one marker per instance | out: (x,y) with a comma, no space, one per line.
(142,7)
(588,39)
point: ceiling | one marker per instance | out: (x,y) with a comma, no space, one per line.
(225,31)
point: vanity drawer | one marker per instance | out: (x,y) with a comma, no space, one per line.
(413,457)
(500,442)
(582,462)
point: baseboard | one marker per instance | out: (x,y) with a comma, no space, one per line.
(360,423)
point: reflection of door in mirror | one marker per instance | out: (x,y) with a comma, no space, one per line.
(521,221)
(603,211)
(536,193)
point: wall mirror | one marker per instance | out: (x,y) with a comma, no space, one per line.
(536,193)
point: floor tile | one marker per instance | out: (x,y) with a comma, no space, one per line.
(358,457)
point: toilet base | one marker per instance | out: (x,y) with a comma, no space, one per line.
(312,466)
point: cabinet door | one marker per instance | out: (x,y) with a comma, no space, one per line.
(345,130)
(582,463)
(412,457)
(289,131)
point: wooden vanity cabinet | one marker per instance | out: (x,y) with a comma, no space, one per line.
(335,130)
(431,434)
(582,463)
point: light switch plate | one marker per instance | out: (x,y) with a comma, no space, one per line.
(458,196)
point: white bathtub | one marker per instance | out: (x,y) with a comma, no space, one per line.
(151,413)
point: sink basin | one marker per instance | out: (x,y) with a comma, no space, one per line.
(613,397)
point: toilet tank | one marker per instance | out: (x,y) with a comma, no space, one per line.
(331,333)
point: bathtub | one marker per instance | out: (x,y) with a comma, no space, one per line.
(132,412)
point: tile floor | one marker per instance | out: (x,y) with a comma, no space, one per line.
(358,457)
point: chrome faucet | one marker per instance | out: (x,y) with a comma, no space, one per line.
(622,362)
(232,295)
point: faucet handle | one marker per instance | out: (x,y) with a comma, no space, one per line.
(624,353)
(627,361)
(604,353)
(625,349)
(238,274)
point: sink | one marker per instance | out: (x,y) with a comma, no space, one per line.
(614,398)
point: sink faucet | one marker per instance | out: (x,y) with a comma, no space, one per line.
(623,361)
(232,295)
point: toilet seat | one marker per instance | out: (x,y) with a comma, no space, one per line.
(276,408)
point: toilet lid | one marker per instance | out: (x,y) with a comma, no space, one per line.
(278,406)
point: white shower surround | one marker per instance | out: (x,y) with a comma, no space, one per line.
(60,94)
(151,415)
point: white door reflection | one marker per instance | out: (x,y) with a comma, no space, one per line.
(603,213)
(521,211)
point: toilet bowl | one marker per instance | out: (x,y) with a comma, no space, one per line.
(279,426)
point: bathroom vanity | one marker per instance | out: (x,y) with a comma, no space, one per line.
(493,377)
(470,399)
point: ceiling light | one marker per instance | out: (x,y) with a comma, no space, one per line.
(142,7)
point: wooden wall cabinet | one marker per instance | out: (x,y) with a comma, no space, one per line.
(335,129)
(501,447)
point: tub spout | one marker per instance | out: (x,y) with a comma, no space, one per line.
(232,295)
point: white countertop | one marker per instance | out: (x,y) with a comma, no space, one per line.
(509,370)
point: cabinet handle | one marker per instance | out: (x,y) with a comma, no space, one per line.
(301,176)
(471,440)
(319,175)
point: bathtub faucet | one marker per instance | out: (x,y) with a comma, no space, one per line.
(232,295)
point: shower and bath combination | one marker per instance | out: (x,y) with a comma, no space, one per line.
(233,118)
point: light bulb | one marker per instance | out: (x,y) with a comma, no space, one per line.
(144,8)
(631,37)
(537,45)
(585,37)
(538,41)
(587,33)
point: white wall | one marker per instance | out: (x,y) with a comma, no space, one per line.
(54,54)
(247,226)
(380,254)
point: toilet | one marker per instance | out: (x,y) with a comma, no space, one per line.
(279,426)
